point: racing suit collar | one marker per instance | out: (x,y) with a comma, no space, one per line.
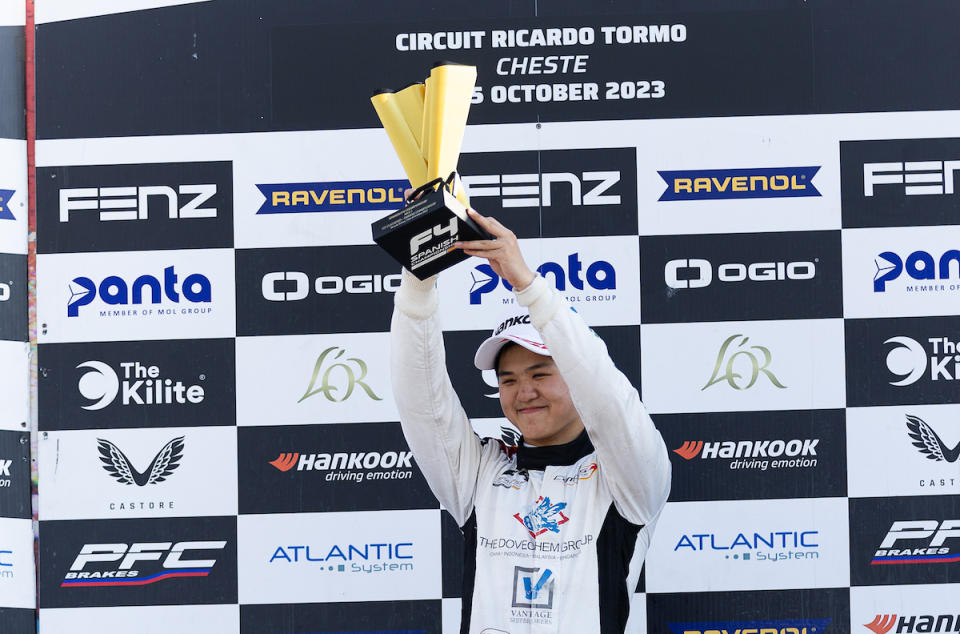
(554,455)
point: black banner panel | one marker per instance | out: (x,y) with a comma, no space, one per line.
(15,474)
(395,617)
(13,297)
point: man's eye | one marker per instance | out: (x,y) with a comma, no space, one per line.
(506,382)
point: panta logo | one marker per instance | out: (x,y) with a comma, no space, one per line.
(919,265)
(533,190)
(288,286)
(533,588)
(928,441)
(763,182)
(295,198)
(5,196)
(770,626)
(600,275)
(919,178)
(729,366)
(542,516)
(132,203)
(113,290)
(782,545)
(695,273)
(939,623)
(141,385)
(174,565)
(753,453)
(351,378)
(909,360)
(4,291)
(116,463)
(6,574)
(933,552)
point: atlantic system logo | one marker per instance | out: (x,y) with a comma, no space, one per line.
(133,203)
(114,290)
(6,564)
(141,385)
(735,364)
(118,465)
(384,557)
(289,286)
(909,360)
(918,178)
(353,466)
(926,543)
(699,273)
(352,372)
(925,623)
(766,626)
(720,184)
(5,196)
(139,563)
(767,546)
(301,198)
(542,516)
(599,276)
(920,266)
(800,453)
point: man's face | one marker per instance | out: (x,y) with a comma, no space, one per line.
(535,398)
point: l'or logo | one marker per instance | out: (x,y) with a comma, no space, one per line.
(730,375)
(327,388)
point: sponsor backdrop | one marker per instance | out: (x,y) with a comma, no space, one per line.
(17,569)
(757,210)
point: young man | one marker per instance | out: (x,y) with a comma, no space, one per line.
(557,528)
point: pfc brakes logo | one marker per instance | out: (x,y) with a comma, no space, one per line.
(323,384)
(720,184)
(735,363)
(921,266)
(920,542)
(754,454)
(770,626)
(301,198)
(772,546)
(115,291)
(140,563)
(908,360)
(289,286)
(925,623)
(116,463)
(928,442)
(698,273)
(5,196)
(918,178)
(420,255)
(133,203)
(538,190)
(353,466)
(140,385)
(599,275)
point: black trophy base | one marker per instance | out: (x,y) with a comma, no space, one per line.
(420,236)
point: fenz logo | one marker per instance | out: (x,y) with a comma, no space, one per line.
(136,384)
(916,178)
(908,360)
(599,275)
(133,203)
(291,286)
(114,290)
(920,542)
(139,563)
(699,273)
(584,188)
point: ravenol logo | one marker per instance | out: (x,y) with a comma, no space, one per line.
(5,196)
(767,626)
(297,198)
(761,182)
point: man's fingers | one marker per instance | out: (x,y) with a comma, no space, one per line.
(488,223)
(478,245)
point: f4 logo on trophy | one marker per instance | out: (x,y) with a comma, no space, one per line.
(727,366)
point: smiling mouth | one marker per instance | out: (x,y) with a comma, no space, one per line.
(531,410)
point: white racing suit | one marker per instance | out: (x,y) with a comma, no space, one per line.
(554,536)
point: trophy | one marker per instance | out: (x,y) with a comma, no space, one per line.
(425,123)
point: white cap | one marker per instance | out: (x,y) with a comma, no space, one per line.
(515,327)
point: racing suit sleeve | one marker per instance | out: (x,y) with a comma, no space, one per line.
(633,458)
(431,416)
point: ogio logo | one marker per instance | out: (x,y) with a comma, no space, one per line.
(132,203)
(694,273)
(289,286)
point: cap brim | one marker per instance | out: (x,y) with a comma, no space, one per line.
(487,352)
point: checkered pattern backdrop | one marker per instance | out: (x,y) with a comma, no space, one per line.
(755,208)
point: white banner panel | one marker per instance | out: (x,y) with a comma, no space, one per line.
(904,609)
(183,619)
(13,193)
(185,294)
(750,545)
(56,10)
(328,557)
(14,385)
(118,473)
(342,378)
(901,272)
(903,450)
(743,366)
(17,576)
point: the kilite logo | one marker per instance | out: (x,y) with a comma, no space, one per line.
(727,367)
(349,379)
(599,275)
(141,385)
(116,463)
(542,516)
(133,203)
(115,291)
(919,265)
(5,196)
(928,441)
(137,562)
(718,184)
(908,360)
(933,549)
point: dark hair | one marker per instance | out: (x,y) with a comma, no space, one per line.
(504,348)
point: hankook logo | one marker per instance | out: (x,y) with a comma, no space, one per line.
(140,385)
(132,203)
(288,286)
(698,273)
(926,623)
